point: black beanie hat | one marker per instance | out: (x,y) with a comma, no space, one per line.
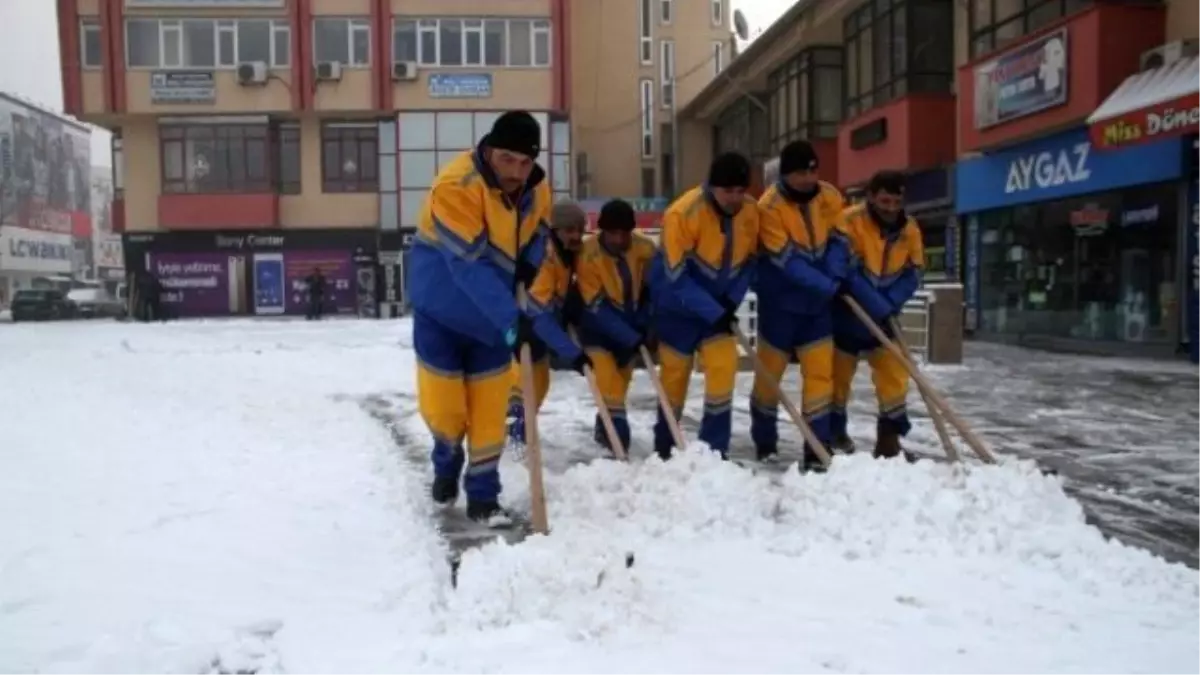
(797,156)
(729,170)
(617,214)
(517,131)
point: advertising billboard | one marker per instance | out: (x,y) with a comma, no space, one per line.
(45,188)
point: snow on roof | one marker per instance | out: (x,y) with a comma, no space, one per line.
(1150,87)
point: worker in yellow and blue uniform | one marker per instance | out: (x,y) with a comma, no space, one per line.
(479,236)
(889,260)
(613,271)
(555,293)
(699,278)
(803,261)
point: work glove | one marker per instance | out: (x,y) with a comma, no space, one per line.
(522,334)
(582,361)
(525,273)
(728,322)
(572,309)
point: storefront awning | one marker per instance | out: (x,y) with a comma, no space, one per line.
(1153,104)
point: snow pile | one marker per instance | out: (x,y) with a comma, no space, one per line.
(874,566)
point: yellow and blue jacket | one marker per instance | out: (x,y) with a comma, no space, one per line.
(887,266)
(613,287)
(471,242)
(706,257)
(546,296)
(804,256)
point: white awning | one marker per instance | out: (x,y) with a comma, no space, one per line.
(1151,88)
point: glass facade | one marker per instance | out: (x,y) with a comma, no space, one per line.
(805,100)
(1096,267)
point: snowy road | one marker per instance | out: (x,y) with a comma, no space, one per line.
(201,497)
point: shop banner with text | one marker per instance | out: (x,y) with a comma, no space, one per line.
(38,251)
(194,284)
(1177,117)
(338,270)
(1061,166)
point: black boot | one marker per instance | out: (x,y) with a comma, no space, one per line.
(812,463)
(445,490)
(489,513)
(887,443)
(843,444)
(767,454)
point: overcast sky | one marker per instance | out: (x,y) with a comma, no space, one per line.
(29,52)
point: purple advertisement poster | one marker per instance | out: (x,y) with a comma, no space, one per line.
(338,269)
(194,284)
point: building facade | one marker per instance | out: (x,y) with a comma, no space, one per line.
(868,82)
(1049,147)
(255,140)
(45,198)
(1075,191)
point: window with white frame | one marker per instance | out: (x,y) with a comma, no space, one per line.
(470,42)
(718,56)
(428,140)
(646,32)
(666,11)
(345,40)
(718,13)
(647,118)
(206,43)
(666,75)
(90,47)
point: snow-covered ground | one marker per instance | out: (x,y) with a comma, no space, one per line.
(219,496)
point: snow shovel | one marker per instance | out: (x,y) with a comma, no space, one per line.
(533,449)
(809,436)
(663,401)
(610,429)
(922,383)
(938,422)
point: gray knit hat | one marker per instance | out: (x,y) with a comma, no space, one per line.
(567,214)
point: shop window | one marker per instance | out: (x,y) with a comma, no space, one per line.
(349,161)
(645,32)
(206,43)
(214,158)
(897,47)
(427,141)
(1100,267)
(347,41)
(805,99)
(286,143)
(743,127)
(647,103)
(90,46)
(933,239)
(472,42)
(666,74)
(995,24)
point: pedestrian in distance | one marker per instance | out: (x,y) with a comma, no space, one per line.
(316,287)
(699,278)
(803,265)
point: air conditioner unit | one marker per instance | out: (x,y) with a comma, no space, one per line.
(404,70)
(329,70)
(1171,52)
(252,72)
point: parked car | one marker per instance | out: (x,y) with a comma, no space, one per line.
(95,303)
(43,303)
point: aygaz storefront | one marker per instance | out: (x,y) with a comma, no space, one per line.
(1067,243)
(1079,239)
